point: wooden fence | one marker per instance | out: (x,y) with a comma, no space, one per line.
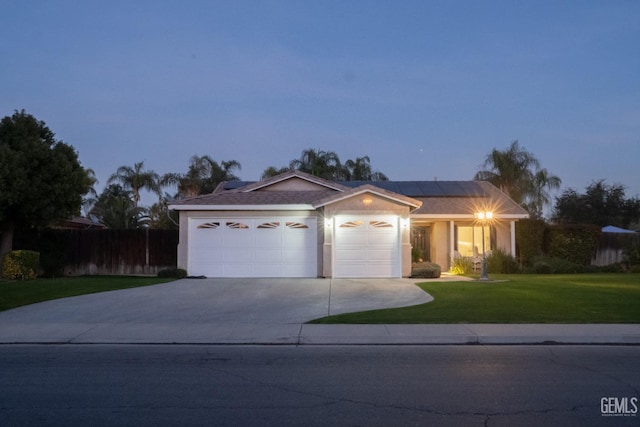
(118,252)
(612,247)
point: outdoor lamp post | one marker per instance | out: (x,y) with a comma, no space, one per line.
(484,217)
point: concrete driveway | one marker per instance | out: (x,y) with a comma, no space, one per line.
(203,310)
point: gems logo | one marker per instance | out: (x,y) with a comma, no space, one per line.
(619,407)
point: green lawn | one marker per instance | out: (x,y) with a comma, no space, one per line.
(17,293)
(579,298)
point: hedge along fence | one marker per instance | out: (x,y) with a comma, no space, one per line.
(119,252)
(575,243)
(530,239)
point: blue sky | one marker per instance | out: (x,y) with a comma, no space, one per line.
(424,88)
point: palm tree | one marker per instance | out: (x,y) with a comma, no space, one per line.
(360,170)
(323,164)
(116,210)
(203,176)
(136,178)
(539,196)
(517,173)
(272,171)
(510,170)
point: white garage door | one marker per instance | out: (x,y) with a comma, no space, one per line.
(367,246)
(253,247)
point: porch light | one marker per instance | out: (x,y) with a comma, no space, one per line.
(367,201)
(484,217)
(327,222)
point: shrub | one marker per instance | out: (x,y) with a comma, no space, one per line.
(462,265)
(530,239)
(21,265)
(426,270)
(575,243)
(551,265)
(499,262)
(173,273)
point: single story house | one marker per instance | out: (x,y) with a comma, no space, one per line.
(299,225)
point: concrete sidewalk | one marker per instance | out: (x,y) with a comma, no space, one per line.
(312,334)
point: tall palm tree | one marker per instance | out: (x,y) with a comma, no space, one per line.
(323,164)
(272,171)
(136,178)
(116,210)
(360,170)
(510,170)
(203,176)
(517,173)
(539,196)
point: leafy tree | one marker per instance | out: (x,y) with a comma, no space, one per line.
(602,204)
(203,176)
(41,178)
(517,173)
(136,178)
(360,170)
(116,209)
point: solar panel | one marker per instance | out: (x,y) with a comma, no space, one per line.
(430,189)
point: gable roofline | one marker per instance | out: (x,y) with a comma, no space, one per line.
(332,185)
(368,188)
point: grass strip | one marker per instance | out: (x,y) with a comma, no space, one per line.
(579,298)
(18,293)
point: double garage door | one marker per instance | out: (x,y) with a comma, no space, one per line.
(253,247)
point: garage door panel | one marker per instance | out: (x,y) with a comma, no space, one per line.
(381,255)
(267,255)
(253,247)
(367,246)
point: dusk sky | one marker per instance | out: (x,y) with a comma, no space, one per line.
(424,88)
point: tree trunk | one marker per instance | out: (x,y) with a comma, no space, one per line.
(6,241)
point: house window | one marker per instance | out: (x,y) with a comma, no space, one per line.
(237,225)
(468,240)
(269,225)
(380,224)
(209,225)
(352,224)
(296,225)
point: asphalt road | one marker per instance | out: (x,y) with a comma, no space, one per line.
(153,385)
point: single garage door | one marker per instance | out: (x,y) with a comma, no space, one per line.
(367,246)
(253,247)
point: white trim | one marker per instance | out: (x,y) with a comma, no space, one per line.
(348,195)
(300,207)
(513,238)
(268,183)
(467,216)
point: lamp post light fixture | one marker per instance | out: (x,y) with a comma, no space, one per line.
(484,217)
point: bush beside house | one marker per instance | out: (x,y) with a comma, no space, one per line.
(21,265)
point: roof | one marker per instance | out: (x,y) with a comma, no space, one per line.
(427,188)
(425,198)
